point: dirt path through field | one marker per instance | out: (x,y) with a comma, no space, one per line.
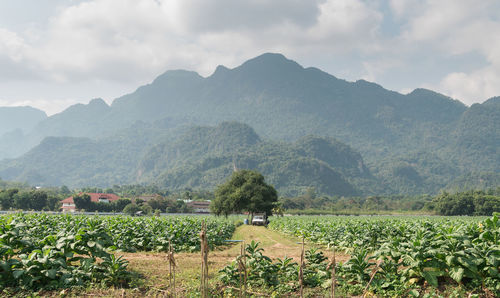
(153,267)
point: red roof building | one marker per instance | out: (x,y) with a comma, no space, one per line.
(68,205)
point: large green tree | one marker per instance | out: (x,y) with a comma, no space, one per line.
(83,202)
(245,190)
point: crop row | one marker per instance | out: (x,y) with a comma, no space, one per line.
(129,233)
(409,251)
(53,251)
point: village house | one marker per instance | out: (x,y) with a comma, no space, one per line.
(68,205)
(200,206)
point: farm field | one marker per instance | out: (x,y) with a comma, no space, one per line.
(48,252)
(403,255)
(394,256)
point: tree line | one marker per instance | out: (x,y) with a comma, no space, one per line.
(238,194)
(472,202)
(37,200)
(49,199)
(157,205)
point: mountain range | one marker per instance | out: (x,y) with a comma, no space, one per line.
(185,130)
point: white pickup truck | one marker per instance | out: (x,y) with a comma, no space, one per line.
(259,220)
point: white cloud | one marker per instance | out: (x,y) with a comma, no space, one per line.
(440,18)
(404,8)
(473,87)
(346,23)
(198,16)
(449,28)
(11,45)
(125,43)
(130,39)
(374,69)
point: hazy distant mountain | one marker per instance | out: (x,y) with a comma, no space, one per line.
(14,123)
(419,142)
(276,96)
(19,118)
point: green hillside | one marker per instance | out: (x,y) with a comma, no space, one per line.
(206,156)
(194,157)
(477,138)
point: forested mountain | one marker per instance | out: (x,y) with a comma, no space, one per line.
(280,99)
(478,136)
(194,157)
(415,143)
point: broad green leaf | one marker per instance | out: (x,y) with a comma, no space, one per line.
(414,293)
(52,273)
(430,277)
(17,273)
(457,273)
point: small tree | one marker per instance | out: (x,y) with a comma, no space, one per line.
(146,209)
(38,200)
(22,200)
(131,209)
(83,202)
(53,203)
(246,190)
(120,204)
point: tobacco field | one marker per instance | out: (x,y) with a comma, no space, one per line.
(403,255)
(40,251)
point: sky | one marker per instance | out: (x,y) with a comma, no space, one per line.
(56,53)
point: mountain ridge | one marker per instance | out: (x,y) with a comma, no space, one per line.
(283,101)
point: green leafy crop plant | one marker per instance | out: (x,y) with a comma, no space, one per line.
(411,252)
(41,251)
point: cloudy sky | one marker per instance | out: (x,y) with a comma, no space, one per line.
(55,53)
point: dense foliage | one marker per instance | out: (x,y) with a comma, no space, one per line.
(131,233)
(468,203)
(195,158)
(409,251)
(14,198)
(244,191)
(312,203)
(43,252)
(280,275)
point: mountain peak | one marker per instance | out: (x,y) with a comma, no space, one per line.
(270,61)
(176,75)
(271,57)
(425,92)
(221,70)
(98,102)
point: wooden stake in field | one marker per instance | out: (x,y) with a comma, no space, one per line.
(242,271)
(171,269)
(371,277)
(333,263)
(246,273)
(204,260)
(301,270)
